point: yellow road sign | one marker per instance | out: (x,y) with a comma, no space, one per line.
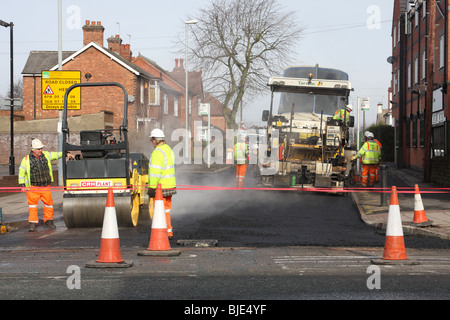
(54,86)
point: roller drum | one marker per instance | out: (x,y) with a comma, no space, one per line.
(88,211)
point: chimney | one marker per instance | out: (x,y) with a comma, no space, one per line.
(93,32)
(125,52)
(114,43)
(181,64)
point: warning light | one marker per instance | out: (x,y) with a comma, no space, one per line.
(310,76)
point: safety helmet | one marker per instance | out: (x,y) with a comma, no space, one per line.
(368,134)
(157,133)
(349,107)
(36,144)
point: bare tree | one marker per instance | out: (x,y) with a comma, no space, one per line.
(17,90)
(239,44)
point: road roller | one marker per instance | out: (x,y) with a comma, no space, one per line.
(102,161)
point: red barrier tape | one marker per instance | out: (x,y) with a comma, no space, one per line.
(405,190)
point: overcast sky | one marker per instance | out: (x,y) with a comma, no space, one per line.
(351,35)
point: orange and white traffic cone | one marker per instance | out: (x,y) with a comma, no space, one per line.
(109,255)
(229,159)
(420,218)
(394,246)
(159,240)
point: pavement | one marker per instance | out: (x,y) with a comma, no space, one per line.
(372,204)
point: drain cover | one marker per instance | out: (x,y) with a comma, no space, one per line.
(198,243)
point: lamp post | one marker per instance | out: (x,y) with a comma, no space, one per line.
(11,157)
(186,146)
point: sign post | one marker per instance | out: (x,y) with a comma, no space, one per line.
(205,109)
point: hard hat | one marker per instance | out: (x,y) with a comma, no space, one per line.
(350,107)
(36,144)
(157,133)
(368,134)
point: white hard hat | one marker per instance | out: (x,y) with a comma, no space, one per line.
(157,133)
(350,107)
(368,134)
(36,144)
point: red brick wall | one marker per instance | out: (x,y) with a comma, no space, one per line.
(440,171)
(93,100)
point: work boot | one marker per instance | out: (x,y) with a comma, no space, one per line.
(49,224)
(33,227)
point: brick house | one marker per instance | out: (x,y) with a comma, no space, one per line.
(410,55)
(156,97)
(175,95)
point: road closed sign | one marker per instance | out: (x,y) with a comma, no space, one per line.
(54,87)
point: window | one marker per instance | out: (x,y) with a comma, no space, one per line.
(394,35)
(141,92)
(439,141)
(395,89)
(441,52)
(175,107)
(416,70)
(424,9)
(398,81)
(153,93)
(424,64)
(166,104)
(438,100)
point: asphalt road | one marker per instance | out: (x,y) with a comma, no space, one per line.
(273,218)
(271,246)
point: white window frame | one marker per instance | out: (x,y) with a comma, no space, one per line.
(157,95)
(416,70)
(175,106)
(141,92)
(166,104)
(424,64)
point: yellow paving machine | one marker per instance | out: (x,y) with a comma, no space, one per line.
(306,147)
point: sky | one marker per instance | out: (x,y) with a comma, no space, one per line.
(350,35)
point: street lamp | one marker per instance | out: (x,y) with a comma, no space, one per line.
(186,146)
(11,157)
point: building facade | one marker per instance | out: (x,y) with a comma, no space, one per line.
(420,106)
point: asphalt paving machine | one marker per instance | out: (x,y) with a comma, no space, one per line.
(103,161)
(306,147)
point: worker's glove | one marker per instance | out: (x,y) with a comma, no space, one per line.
(352,158)
(22,186)
(151,192)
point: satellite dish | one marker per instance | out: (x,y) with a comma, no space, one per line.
(391,59)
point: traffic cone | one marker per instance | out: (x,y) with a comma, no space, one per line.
(394,246)
(229,159)
(159,240)
(420,219)
(109,255)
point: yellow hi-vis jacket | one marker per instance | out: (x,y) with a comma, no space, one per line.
(24,169)
(162,168)
(241,153)
(340,115)
(370,153)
